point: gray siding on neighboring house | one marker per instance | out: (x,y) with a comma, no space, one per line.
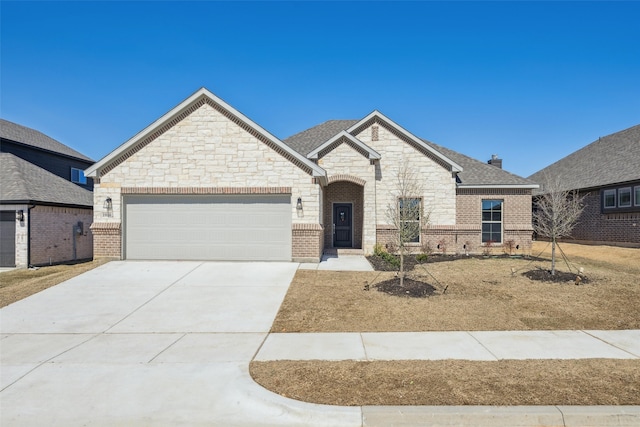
(55,163)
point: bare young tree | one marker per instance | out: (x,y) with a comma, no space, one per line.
(406,213)
(556,213)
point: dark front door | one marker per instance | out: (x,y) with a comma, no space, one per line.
(342,224)
(8,239)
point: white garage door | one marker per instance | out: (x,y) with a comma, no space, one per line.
(242,227)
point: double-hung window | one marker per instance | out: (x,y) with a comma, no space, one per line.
(609,199)
(409,210)
(624,197)
(492,221)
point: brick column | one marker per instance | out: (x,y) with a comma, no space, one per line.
(107,240)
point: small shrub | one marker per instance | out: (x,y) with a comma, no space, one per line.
(378,249)
(391,248)
(509,246)
(442,245)
(422,257)
(391,259)
(426,248)
(488,248)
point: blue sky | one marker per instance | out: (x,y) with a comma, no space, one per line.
(529,81)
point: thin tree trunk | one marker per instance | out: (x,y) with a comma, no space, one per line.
(401,268)
(553,256)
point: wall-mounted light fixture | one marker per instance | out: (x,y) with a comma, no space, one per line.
(299,204)
(20,215)
(108,204)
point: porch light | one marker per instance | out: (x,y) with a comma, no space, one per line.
(20,215)
(108,204)
(299,204)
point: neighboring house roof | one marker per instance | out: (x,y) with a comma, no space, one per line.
(165,122)
(24,182)
(474,172)
(27,136)
(612,159)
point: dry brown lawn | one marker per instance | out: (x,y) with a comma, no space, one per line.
(481,294)
(21,283)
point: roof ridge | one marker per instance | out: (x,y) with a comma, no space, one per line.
(34,138)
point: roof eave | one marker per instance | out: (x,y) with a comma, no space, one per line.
(93,171)
(371,153)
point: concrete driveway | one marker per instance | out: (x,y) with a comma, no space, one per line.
(149,343)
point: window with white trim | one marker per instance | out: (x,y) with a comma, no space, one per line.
(77,176)
(609,199)
(637,195)
(624,197)
(492,221)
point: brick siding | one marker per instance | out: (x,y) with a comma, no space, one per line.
(107,240)
(610,228)
(307,242)
(52,235)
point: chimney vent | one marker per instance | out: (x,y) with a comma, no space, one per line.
(495,161)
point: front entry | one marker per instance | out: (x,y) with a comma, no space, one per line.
(342,225)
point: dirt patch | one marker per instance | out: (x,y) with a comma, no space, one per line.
(410,288)
(454,382)
(21,283)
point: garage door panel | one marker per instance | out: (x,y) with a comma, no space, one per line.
(208,227)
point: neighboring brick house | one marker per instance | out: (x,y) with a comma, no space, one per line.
(44,216)
(607,173)
(45,219)
(206,182)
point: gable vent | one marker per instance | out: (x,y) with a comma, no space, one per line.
(374,133)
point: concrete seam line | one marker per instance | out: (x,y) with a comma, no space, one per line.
(152,298)
(611,344)
(482,345)
(564,423)
(255,354)
(168,347)
(50,359)
(364,347)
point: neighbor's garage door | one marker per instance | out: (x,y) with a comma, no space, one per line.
(8,239)
(242,227)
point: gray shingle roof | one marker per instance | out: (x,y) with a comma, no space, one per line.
(612,159)
(25,182)
(310,139)
(474,171)
(24,135)
(480,173)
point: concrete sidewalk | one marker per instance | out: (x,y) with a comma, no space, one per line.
(476,345)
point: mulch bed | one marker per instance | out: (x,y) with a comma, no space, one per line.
(543,275)
(411,288)
(410,261)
